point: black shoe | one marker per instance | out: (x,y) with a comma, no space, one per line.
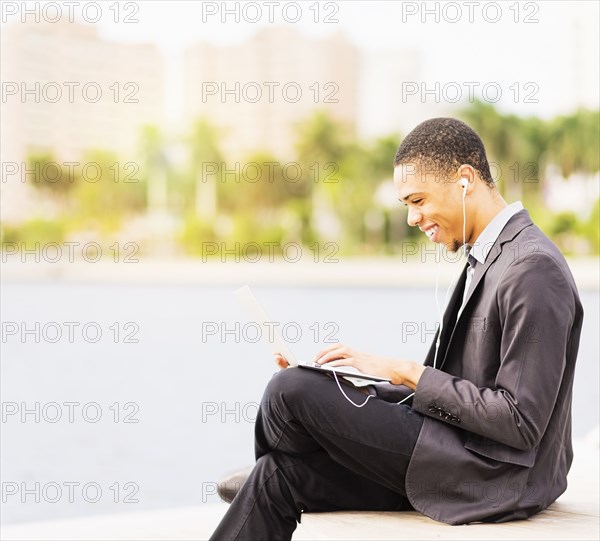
(230,485)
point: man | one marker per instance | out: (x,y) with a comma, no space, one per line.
(487,434)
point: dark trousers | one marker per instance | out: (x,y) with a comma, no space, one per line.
(317,452)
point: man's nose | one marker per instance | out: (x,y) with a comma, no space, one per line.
(414,217)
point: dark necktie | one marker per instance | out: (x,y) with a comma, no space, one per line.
(449,329)
(471,263)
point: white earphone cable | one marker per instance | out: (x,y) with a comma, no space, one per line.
(346,396)
(464,209)
(439,310)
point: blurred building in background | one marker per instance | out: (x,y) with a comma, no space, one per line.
(77,91)
(383,109)
(65,91)
(257,91)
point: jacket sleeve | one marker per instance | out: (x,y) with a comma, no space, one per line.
(536,308)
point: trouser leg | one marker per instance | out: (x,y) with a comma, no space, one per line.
(281,486)
(303,411)
(317,452)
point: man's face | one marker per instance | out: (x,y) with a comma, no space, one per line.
(434,204)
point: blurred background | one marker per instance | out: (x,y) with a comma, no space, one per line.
(171,128)
(220,143)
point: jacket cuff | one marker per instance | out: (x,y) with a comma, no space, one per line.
(428,399)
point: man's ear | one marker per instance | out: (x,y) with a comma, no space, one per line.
(466,178)
(466,171)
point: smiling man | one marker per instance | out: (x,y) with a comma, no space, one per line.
(481,431)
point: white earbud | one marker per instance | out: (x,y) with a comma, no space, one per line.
(464,182)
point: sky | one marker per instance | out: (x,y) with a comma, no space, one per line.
(543,56)
(553,47)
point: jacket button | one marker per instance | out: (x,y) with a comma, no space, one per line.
(432,408)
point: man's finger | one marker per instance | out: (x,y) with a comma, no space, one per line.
(332,355)
(328,349)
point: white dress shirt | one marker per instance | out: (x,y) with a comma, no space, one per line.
(480,249)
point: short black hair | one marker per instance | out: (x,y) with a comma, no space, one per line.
(442,145)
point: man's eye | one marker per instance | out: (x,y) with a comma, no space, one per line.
(417,201)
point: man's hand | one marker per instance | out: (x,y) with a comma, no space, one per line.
(399,372)
(280,361)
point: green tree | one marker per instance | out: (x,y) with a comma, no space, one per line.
(330,159)
(153,167)
(50,177)
(206,167)
(592,228)
(574,142)
(516,149)
(107,191)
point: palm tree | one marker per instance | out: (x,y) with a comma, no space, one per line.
(207,163)
(154,168)
(574,142)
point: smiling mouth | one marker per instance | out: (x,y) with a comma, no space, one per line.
(432,232)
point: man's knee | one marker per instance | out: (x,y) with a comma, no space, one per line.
(304,393)
(289,383)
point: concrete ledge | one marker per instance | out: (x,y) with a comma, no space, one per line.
(561,521)
(575,515)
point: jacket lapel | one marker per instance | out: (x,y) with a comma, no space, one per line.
(480,271)
(515,225)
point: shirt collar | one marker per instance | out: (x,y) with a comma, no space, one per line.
(482,246)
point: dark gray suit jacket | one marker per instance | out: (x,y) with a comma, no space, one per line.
(496,441)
